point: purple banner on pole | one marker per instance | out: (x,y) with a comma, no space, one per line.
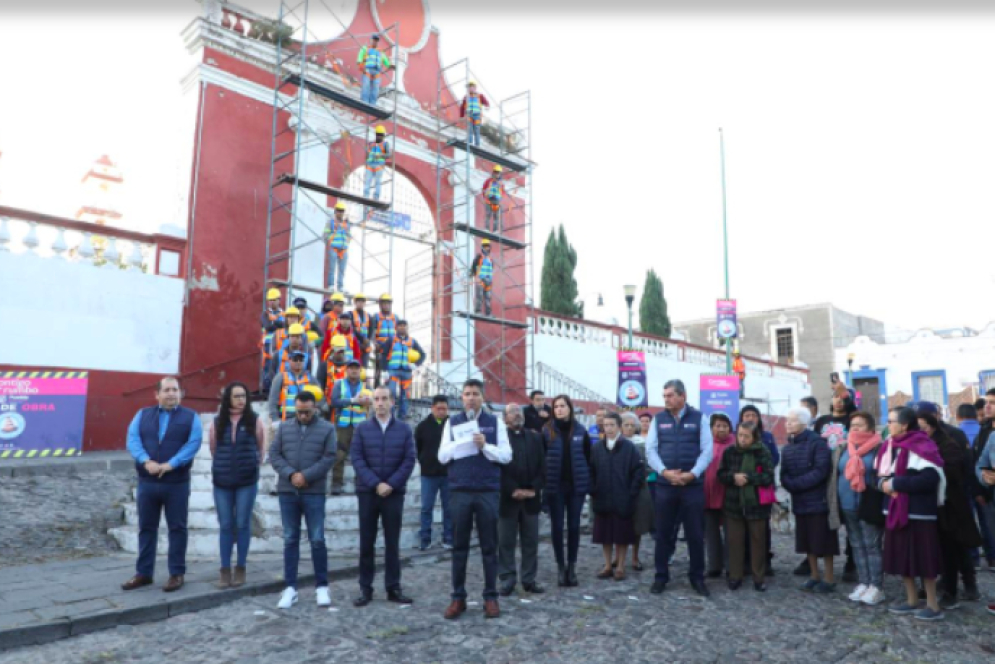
(720,394)
(632,379)
(41,413)
(726,319)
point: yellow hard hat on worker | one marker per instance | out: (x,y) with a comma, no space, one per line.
(358,296)
(385,297)
(273,294)
(485,241)
(497,168)
(413,355)
(312,336)
(340,205)
(295,329)
(292,311)
(338,341)
(381,130)
(338,297)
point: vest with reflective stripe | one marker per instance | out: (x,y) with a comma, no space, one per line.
(385,327)
(354,414)
(398,358)
(494,189)
(376,155)
(486,270)
(473,109)
(291,387)
(360,320)
(340,234)
(373,62)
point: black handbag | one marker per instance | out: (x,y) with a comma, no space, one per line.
(871,505)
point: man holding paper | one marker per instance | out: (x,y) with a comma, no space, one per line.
(474,446)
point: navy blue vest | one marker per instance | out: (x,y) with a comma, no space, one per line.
(554,459)
(679,443)
(476,473)
(177,434)
(236,464)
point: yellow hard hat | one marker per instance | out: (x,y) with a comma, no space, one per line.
(498,169)
(381,130)
(358,296)
(364,392)
(386,298)
(338,341)
(362,376)
(485,241)
(312,336)
(292,311)
(472,83)
(413,355)
(338,297)
(273,294)
(340,205)
(296,328)
(316,391)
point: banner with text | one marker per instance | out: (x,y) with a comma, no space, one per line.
(632,379)
(720,394)
(725,325)
(41,413)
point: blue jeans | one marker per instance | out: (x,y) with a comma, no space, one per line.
(336,269)
(680,505)
(400,396)
(865,541)
(473,132)
(370,91)
(987,536)
(154,498)
(482,507)
(571,504)
(430,486)
(234,507)
(312,507)
(372,181)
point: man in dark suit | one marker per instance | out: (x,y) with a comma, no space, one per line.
(522,481)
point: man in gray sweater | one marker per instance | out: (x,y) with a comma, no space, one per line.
(302,453)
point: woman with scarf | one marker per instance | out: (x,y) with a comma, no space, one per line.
(958,530)
(642,522)
(910,474)
(743,468)
(855,480)
(715,546)
(568,480)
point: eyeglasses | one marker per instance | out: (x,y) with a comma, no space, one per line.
(239,396)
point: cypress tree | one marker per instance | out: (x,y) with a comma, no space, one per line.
(558,290)
(653,318)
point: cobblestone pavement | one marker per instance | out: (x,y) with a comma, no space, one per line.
(47,518)
(601,621)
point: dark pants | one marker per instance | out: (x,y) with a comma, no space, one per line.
(343,443)
(572,504)
(482,507)
(372,510)
(956,562)
(154,498)
(716,541)
(311,506)
(509,528)
(680,505)
(739,532)
(987,536)
(430,486)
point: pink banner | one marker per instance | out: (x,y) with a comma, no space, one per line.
(43,386)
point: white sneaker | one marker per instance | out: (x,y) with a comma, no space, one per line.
(873,596)
(324,599)
(287,599)
(858,592)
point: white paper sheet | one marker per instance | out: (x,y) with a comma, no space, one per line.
(463,436)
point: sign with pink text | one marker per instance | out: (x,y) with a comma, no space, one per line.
(41,413)
(632,379)
(720,394)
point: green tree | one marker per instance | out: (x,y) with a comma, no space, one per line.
(558,290)
(653,317)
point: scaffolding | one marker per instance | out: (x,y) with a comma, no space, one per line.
(317,111)
(479,345)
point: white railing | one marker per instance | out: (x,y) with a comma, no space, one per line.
(83,242)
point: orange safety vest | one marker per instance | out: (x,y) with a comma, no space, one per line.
(291,388)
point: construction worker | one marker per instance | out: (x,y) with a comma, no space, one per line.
(382,329)
(354,340)
(291,316)
(739,368)
(308,320)
(350,403)
(493,193)
(373,62)
(296,342)
(472,109)
(330,321)
(272,320)
(377,154)
(402,353)
(287,383)
(337,235)
(482,272)
(334,366)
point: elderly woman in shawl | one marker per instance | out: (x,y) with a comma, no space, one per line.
(910,474)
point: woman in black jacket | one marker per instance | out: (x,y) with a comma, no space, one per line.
(238,447)
(617,477)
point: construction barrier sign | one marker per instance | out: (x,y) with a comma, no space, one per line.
(41,413)
(632,379)
(720,394)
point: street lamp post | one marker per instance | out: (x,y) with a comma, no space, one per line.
(630,296)
(725,239)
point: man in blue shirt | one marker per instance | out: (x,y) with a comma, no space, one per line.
(679,449)
(163,440)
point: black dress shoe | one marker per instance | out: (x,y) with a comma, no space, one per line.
(733,585)
(362,600)
(533,588)
(701,588)
(572,575)
(715,574)
(760,587)
(562,577)
(658,587)
(507,589)
(398,597)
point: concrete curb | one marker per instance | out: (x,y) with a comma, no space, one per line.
(178,604)
(96,462)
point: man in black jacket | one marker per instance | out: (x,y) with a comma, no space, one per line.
(522,481)
(537,413)
(434,476)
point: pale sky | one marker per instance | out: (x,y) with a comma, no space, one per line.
(858,145)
